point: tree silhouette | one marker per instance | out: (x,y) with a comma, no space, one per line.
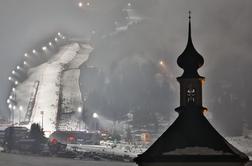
(37,134)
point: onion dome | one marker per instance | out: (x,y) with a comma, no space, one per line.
(190,60)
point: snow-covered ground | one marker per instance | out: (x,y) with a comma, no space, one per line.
(242,143)
(106,150)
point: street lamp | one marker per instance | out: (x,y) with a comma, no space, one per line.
(79,109)
(88,4)
(161,63)
(95,116)
(44,48)
(80,4)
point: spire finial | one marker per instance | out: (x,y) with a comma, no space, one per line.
(190,60)
(189,28)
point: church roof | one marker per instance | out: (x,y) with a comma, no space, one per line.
(191,138)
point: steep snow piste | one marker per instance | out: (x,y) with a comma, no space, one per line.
(51,91)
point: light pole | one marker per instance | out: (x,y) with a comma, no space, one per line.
(79,111)
(13,115)
(42,116)
(95,116)
(20,109)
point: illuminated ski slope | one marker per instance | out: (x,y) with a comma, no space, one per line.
(59,75)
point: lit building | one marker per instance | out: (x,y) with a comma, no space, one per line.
(191,139)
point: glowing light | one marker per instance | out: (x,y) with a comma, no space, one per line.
(26,55)
(10,106)
(9,78)
(95,115)
(13,72)
(63,37)
(11,97)
(13,89)
(79,109)
(59,34)
(34,51)
(56,39)
(161,62)
(44,48)
(25,63)
(50,43)
(18,67)
(8,101)
(129,4)
(80,4)
(14,107)
(21,108)
(16,82)
(88,4)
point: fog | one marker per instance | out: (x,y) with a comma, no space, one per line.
(130,38)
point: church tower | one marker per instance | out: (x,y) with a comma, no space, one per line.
(190,82)
(191,140)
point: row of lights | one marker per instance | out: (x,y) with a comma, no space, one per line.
(94,115)
(14,107)
(80,4)
(15,74)
(44,48)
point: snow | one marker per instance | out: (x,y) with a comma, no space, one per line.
(61,70)
(101,149)
(71,96)
(195,151)
(242,143)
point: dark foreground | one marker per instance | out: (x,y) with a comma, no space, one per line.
(7,159)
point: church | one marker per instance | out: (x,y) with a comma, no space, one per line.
(191,140)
